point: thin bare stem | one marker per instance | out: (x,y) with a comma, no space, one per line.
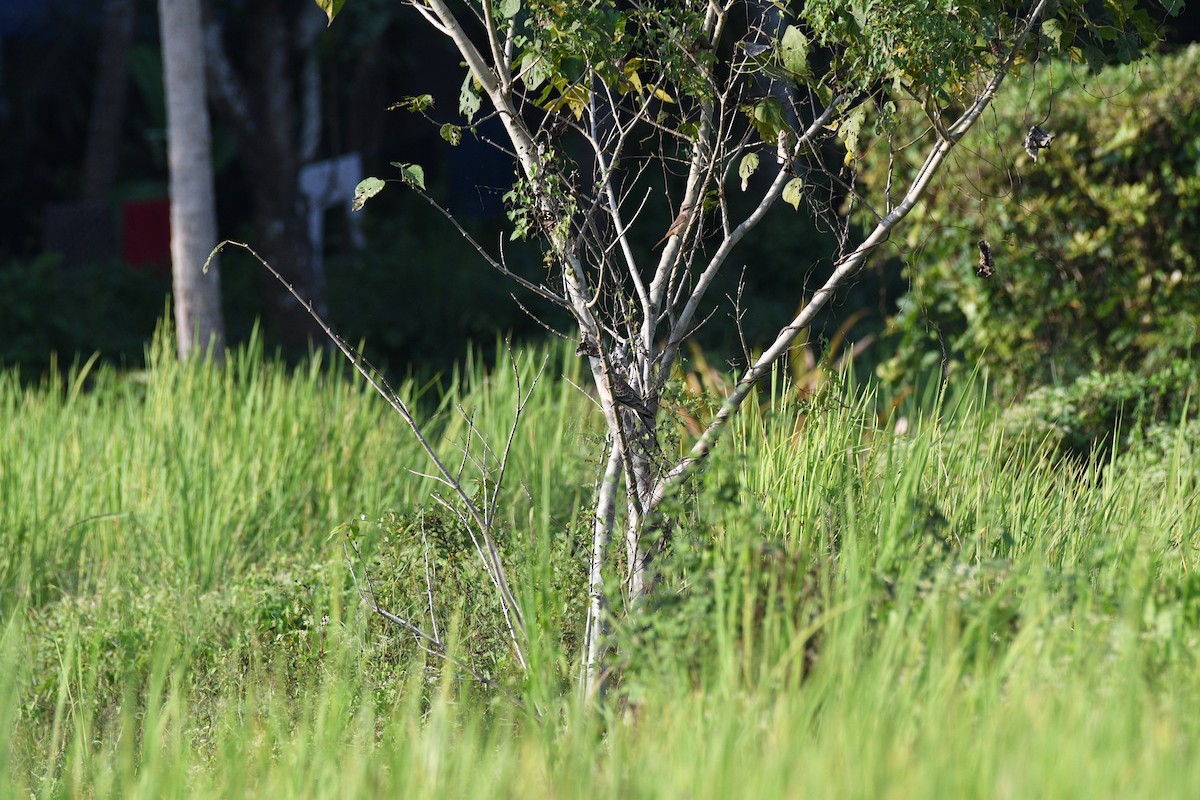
(430,579)
(431,644)
(490,554)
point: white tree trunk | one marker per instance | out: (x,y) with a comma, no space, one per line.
(596,629)
(198,318)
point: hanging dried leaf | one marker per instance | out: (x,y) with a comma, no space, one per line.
(1037,139)
(987,265)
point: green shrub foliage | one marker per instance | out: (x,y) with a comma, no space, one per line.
(1097,410)
(1093,241)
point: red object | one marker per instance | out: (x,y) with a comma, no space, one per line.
(146,234)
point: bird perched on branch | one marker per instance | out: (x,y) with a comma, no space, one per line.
(588,347)
(624,395)
(628,399)
(678,226)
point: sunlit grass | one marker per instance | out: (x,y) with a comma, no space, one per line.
(191,473)
(848,611)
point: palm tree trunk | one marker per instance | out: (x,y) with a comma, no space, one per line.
(198,318)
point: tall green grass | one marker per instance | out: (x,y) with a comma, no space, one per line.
(189,473)
(847,611)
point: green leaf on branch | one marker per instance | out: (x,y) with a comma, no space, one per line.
(417,103)
(1052,32)
(572,96)
(633,81)
(509,8)
(331,8)
(793,51)
(849,130)
(451,133)
(767,118)
(518,212)
(533,70)
(747,168)
(412,174)
(793,193)
(366,189)
(468,98)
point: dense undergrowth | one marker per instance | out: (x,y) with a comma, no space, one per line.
(847,610)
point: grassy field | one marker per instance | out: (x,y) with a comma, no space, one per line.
(847,612)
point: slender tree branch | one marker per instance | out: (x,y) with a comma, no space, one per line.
(499,266)
(681,324)
(491,553)
(602,528)
(850,264)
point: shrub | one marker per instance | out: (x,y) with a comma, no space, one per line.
(1083,417)
(1096,267)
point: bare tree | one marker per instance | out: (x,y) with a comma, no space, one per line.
(197,290)
(608,109)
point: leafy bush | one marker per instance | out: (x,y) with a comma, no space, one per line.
(423,561)
(1084,416)
(104,307)
(1094,243)
(1162,451)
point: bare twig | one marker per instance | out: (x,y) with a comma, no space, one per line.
(489,552)
(430,579)
(430,643)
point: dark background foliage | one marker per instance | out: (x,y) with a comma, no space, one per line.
(415,294)
(1097,269)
